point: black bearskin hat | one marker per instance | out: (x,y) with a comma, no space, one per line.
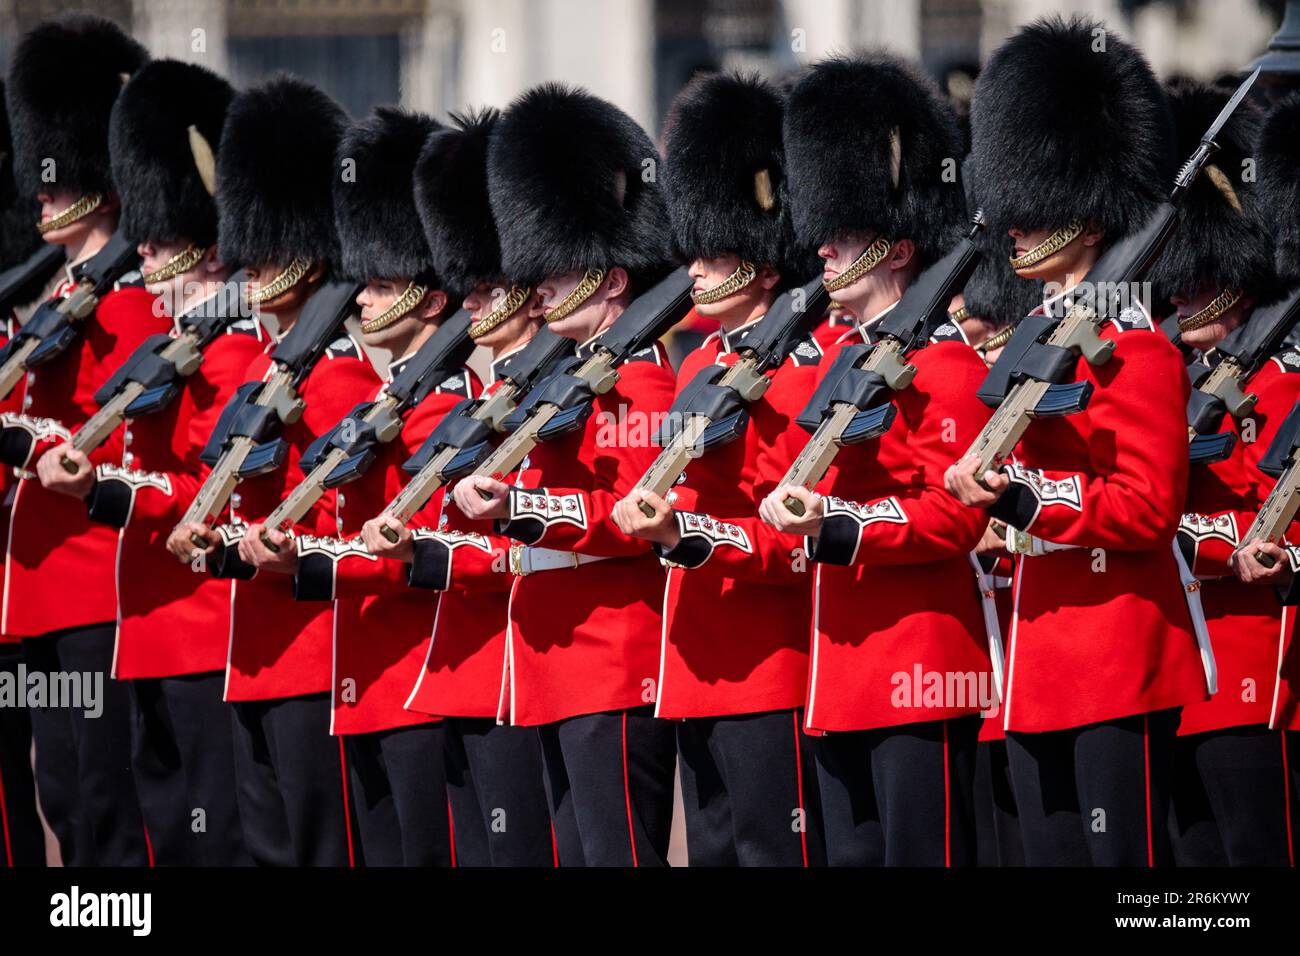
(1279,183)
(451,196)
(872,146)
(378,226)
(63,80)
(156,158)
(994,292)
(18,213)
(573,181)
(1221,239)
(1069,124)
(725,175)
(276,173)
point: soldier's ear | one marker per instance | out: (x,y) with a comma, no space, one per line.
(1091,233)
(768,277)
(433,305)
(902,254)
(617,282)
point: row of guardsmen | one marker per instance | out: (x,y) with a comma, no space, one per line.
(513,676)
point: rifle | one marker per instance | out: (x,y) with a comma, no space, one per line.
(462,439)
(245,440)
(563,403)
(1217,392)
(852,404)
(1281,461)
(1031,378)
(151,378)
(23,282)
(347,450)
(712,409)
(52,328)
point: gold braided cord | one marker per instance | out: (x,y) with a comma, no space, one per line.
(412,296)
(583,291)
(996,340)
(1049,246)
(1220,304)
(281,284)
(510,303)
(961,315)
(745,274)
(871,257)
(177,265)
(78,210)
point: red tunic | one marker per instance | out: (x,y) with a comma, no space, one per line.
(1101,629)
(280,647)
(898,631)
(8,482)
(60,565)
(381,626)
(585,639)
(739,594)
(172,619)
(833,328)
(1247,626)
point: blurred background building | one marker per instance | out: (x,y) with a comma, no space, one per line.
(441,55)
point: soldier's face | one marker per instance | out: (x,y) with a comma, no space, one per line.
(840,253)
(378,296)
(155,255)
(485,297)
(584,321)
(1207,336)
(1074,259)
(292,298)
(54,201)
(709,273)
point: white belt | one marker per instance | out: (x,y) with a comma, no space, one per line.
(1021,542)
(1192,593)
(526,560)
(992,627)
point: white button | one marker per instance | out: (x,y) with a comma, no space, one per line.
(235,500)
(31,378)
(128,458)
(342,500)
(27,401)
(127,436)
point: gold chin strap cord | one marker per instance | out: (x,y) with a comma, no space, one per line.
(1220,304)
(282,283)
(871,257)
(411,296)
(177,265)
(510,303)
(996,340)
(80,209)
(583,291)
(961,315)
(745,274)
(1049,246)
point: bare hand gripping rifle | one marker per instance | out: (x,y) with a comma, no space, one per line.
(347,450)
(563,402)
(1217,391)
(153,376)
(245,441)
(464,437)
(712,409)
(53,327)
(21,283)
(1032,377)
(853,403)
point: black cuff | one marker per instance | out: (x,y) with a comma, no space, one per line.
(15,446)
(109,502)
(838,541)
(314,580)
(1018,507)
(524,528)
(430,567)
(691,551)
(226,564)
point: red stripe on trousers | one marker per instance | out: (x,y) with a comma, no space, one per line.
(947,803)
(627,793)
(451,831)
(4,824)
(1146,772)
(347,813)
(798,777)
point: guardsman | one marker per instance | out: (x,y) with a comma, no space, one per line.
(1278,154)
(583,221)
(872,151)
(275,175)
(734,667)
(1096,496)
(18,817)
(165,125)
(59,594)
(381,628)
(1230,788)
(498,803)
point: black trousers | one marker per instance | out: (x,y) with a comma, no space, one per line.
(498,800)
(291,783)
(900,796)
(20,826)
(183,756)
(749,791)
(399,795)
(83,762)
(1096,795)
(997,825)
(609,781)
(1230,802)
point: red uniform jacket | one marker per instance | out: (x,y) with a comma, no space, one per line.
(898,632)
(833,328)
(465,665)
(8,482)
(280,647)
(1101,630)
(381,626)
(60,565)
(172,618)
(1247,625)
(739,594)
(585,639)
